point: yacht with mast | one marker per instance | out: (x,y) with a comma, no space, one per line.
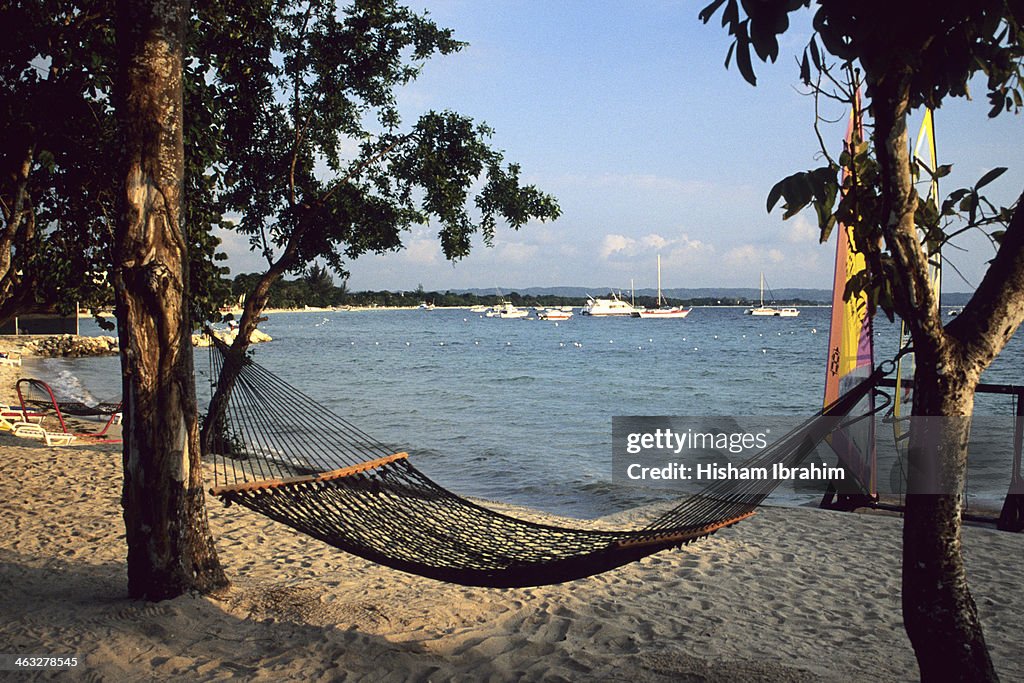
(771,311)
(663,310)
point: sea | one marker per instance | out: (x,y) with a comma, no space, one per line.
(521,410)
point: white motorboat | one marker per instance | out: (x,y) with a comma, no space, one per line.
(506,310)
(607,307)
(555,314)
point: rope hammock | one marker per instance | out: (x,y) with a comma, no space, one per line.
(38,394)
(283,455)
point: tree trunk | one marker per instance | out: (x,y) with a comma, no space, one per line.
(939,613)
(170,549)
(214,427)
(16,290)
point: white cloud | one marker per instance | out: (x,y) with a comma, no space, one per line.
(613,245)
(422,251)
(743,256)
(678,250)
(517,252)
(800,230)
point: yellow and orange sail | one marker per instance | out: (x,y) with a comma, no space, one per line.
(850,351)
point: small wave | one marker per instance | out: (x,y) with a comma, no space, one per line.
(66,386)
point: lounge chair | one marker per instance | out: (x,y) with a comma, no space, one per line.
(31,430)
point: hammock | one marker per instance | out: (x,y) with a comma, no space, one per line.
(38,394)
(287,457)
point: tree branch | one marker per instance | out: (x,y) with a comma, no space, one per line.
(996,310)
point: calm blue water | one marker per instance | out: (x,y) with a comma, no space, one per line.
(521,410)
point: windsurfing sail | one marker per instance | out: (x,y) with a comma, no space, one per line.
(850,350)
(925,158)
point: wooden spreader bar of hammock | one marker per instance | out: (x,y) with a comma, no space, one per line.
(680,537)
(268,484)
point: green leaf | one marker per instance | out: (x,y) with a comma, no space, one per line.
(774,195)
(989,177)
(743,58)
(709,11)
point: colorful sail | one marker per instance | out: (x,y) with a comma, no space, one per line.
(850,354)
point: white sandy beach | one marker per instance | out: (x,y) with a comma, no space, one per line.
(790,595)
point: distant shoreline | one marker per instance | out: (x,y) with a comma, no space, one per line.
(236,312)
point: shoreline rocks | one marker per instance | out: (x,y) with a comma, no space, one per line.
(76,346)
(72,346)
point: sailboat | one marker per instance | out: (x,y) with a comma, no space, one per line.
(771,311)
(663,310)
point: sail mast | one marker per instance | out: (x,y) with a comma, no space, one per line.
(659,279)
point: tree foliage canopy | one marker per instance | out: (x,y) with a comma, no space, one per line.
(936,51)
(57,153)
(317,161)
(291,121)
(59,148)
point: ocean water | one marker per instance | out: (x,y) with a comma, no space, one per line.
(521,410)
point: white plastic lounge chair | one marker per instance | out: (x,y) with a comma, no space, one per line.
(28,430)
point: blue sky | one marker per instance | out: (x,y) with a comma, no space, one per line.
(626,113)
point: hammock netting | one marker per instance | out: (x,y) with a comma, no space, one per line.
(282,454)
(38,394)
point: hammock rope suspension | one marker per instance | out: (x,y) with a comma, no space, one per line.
(285,456)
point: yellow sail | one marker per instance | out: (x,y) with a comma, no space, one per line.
(850,351)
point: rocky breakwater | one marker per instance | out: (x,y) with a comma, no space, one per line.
(228,337)
(72,346)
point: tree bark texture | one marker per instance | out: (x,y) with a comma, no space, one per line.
(170,548)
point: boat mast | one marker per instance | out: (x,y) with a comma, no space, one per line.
(762,289)
(659,279)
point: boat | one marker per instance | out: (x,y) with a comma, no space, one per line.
(555,314)
(507,310)
(771,311)
(478,309)
(607,307)
(663,310)
(424,306)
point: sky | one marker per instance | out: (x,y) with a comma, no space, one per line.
(626,113)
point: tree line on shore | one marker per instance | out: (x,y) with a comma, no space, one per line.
(317,289)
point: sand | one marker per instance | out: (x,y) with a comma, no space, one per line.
(790,595)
